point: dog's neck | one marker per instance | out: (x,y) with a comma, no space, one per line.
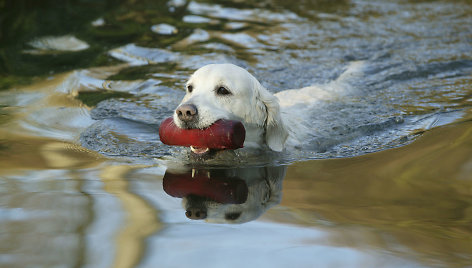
(254,136)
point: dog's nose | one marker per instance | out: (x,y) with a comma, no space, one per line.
(196,214)
(187,112)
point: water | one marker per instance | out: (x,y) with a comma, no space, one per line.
(383,181)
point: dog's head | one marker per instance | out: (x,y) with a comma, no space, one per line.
(226,91)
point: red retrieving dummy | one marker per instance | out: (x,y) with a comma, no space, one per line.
(223,134)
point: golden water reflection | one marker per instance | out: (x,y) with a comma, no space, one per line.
(46,210)
(26,152)
(141,218)
(418,196)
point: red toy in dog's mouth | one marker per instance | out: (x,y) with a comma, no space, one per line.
(223,134)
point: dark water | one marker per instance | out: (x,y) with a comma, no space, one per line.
(385,180)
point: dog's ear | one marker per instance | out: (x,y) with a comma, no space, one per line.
(275,130)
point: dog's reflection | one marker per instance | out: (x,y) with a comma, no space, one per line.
(234,195)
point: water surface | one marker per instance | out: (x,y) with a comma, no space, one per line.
(385,180)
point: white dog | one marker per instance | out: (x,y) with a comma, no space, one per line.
(226,91)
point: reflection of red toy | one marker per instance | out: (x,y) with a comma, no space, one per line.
(220,189)
(223,134)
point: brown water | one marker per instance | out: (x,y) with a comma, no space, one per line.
(385,181)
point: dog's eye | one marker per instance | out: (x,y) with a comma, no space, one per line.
(189,88)
(222,91)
